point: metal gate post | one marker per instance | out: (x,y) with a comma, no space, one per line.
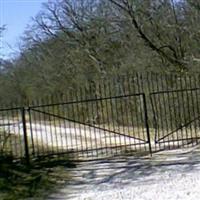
(27,157)
(31,131)
(147,122)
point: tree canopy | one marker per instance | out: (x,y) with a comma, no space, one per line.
(72,43)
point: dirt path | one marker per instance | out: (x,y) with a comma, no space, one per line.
(70,137)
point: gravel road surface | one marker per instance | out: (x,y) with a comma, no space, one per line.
(170,175)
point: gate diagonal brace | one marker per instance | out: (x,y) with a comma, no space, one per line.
(86,124)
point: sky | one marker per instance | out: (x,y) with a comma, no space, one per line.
(15,14)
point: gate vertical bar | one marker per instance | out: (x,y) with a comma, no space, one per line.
(146,122)
(31,130)
(23,112)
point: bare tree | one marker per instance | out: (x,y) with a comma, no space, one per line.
(2,29)
(158,25)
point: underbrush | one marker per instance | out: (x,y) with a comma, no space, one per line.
(19,181)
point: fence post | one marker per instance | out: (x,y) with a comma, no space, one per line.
(23,111)
(31,131)
(146,122)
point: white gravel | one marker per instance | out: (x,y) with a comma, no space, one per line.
(167,187)
(163,177)
(69,138)
(168,176)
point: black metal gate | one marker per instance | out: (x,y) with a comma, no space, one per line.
(104,126)
(107,118)
(176,118)
(91,128)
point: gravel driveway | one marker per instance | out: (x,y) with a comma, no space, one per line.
(167,175)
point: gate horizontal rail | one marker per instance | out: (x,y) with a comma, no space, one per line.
(174,91)
(178,140)
(86,100)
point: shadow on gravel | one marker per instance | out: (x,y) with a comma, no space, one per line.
(123,171)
